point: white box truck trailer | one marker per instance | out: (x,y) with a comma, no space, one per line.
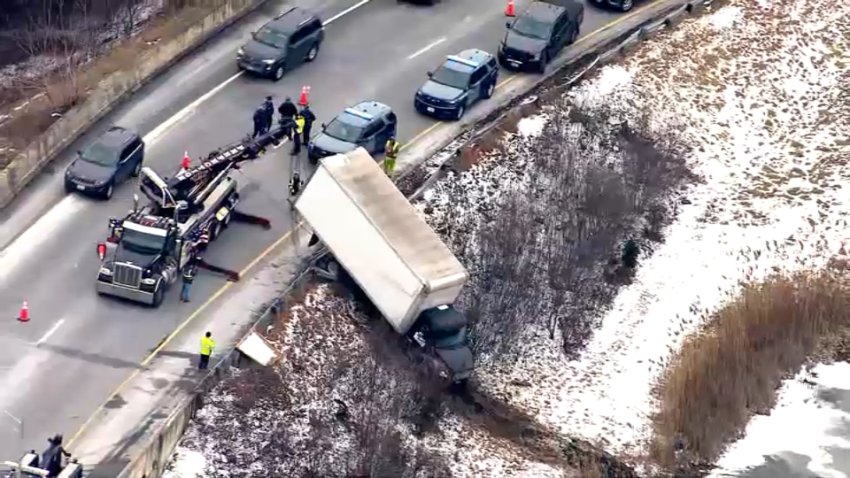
(392,254)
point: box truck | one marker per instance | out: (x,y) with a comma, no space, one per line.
(390,252)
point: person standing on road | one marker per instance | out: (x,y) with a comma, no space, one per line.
(207,346)
(296,137)
(391,148)
(259,122)
(268,109)
(309,118)
(188,277)
(287,112)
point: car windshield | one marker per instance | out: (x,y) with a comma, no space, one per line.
(271,37)
(141,242)
(343,128)
(100,155)
(453,74)
(531,27)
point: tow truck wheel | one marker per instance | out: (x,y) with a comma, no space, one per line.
(215,231)
(158,295)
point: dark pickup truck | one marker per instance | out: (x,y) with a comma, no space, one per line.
(539,32)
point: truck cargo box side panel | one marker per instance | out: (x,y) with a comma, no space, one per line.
(361,250)
(398,222)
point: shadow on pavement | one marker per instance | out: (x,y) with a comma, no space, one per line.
(91,357)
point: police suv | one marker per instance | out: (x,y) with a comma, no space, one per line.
(368,124)
(457,84)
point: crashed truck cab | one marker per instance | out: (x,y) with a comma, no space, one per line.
(390,253)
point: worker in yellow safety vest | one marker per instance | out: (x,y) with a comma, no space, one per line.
(391,148)
(207,346)
(296,138)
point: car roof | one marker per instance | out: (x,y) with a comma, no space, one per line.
(543,11)
(473,55)
(290,20)
(370,108)
(116,137)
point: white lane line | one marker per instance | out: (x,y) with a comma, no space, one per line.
(151,137)
(29,245)
(50,332)
(426,48)
(345,12)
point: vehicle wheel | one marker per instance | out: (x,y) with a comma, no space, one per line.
(313,53)
(490,89)
(573,36)
(158,295)
(460,112)
(626,5)
(215,231)
(541,68)
(68,188)
(278,73)
(137,170)
(109,190)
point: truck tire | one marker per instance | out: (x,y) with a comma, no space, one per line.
(215,231)
(158,295)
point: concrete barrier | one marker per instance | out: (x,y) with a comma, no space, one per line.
(111,91)
(159,448)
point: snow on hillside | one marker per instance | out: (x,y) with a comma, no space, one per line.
(759,93)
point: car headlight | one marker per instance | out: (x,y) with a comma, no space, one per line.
(148,281)
(456,100)
(268,62)
(105,271)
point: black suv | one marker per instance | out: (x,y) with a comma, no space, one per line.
(294,37)
(368,124)
(622,5)
(112,158)
(459,82)
(539,33)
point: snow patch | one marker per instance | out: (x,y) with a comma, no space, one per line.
(186,464)
(532,126)
(810,418)
(726,17)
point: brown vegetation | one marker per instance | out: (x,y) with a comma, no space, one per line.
(733,367)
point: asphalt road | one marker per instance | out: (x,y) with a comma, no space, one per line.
(58,368)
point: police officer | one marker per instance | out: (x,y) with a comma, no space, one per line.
(309,118)
(268,109)
(391,148)
(207,346)
(188,277)
(259,122)
(287,112)
(296,138)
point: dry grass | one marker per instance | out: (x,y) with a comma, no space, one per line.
(732,368)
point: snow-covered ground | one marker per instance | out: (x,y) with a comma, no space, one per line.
(807,432)
(759,90)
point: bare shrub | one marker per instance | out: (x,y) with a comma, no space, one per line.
(584,188)
(733,367)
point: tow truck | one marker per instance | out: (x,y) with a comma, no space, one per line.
(147,250)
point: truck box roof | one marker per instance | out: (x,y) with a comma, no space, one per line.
(391,213)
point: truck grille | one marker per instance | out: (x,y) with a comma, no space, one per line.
(130,276)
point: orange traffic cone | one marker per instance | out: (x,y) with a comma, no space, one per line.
(186,159)
(510,10)
(302,100)
(24,315)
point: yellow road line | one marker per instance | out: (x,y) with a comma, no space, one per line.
(277,243)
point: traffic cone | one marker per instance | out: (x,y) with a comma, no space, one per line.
(24,314)
(186,159)
(510,10)
(302,100)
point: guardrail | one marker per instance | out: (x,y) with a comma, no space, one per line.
(153,461)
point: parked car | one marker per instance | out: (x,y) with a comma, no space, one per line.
(112,158)
(621,5)
(292,38)
(539,33)
(457,84)
(368,124)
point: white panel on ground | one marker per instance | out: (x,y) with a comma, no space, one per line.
(257,349)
